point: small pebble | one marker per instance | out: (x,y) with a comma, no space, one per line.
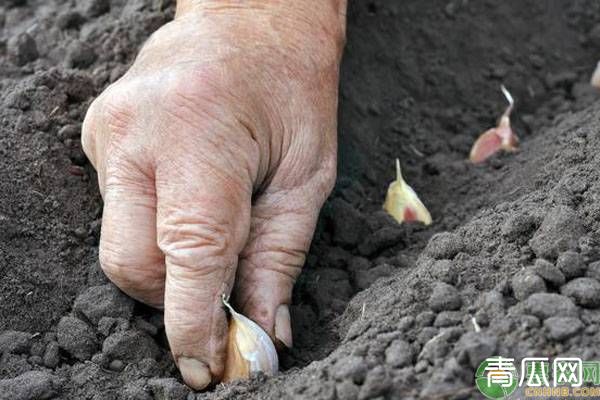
(444,270)
(347,390)
(492,300)
(438,346)
(527,322)
(549,272)
(35,360)
(100,359)
(585,291)
(476,346)
(425,318)
(116,365)
(559,231)
(399,354)
(76,337)
(31,385)
(104,301)
(591,330)
(562,328)
(51,355)
(37,348)
(421,366)
(525,283)
(79,55)
(593,270)
(571,264)
(109,325)
(406,323)
(426,334)
(130,346)
(14,342)
(443,245)
(22,49)
(168,389)
(518,226)
(444,298)
(546,305)
(80,232)
(69,19)
(49,337)
(352,367)
(448,318)
(376,383)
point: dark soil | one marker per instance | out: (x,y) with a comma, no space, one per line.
(381,310)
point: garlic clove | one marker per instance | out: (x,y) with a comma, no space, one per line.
(502,137)
(402,203)
(595,81)
(509,140)
(485,146)
(249,349)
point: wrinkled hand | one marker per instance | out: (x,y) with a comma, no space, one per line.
(215,153)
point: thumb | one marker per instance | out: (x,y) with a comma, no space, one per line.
(282,226)
(203,220)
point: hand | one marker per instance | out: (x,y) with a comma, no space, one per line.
(215,153)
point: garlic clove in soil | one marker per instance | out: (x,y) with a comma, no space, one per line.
(595,81)
(496,139)
(249,348)
(402,203)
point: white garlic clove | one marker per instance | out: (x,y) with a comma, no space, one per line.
(402,203)
(249,349)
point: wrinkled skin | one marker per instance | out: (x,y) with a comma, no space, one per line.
(214,154)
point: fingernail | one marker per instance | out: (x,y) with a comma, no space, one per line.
(283,328)
(195,373)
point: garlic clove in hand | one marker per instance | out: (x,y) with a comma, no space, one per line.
(249,348)
(402,203)
(499,138)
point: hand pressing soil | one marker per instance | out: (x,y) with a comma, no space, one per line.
(215,153)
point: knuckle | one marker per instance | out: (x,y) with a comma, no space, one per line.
(115,108)
(110,113)
(198,245)
(118,114)
(286,263)
(123,268)
(182,329)
(194,96)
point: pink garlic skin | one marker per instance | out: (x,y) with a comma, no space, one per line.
(496,139)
